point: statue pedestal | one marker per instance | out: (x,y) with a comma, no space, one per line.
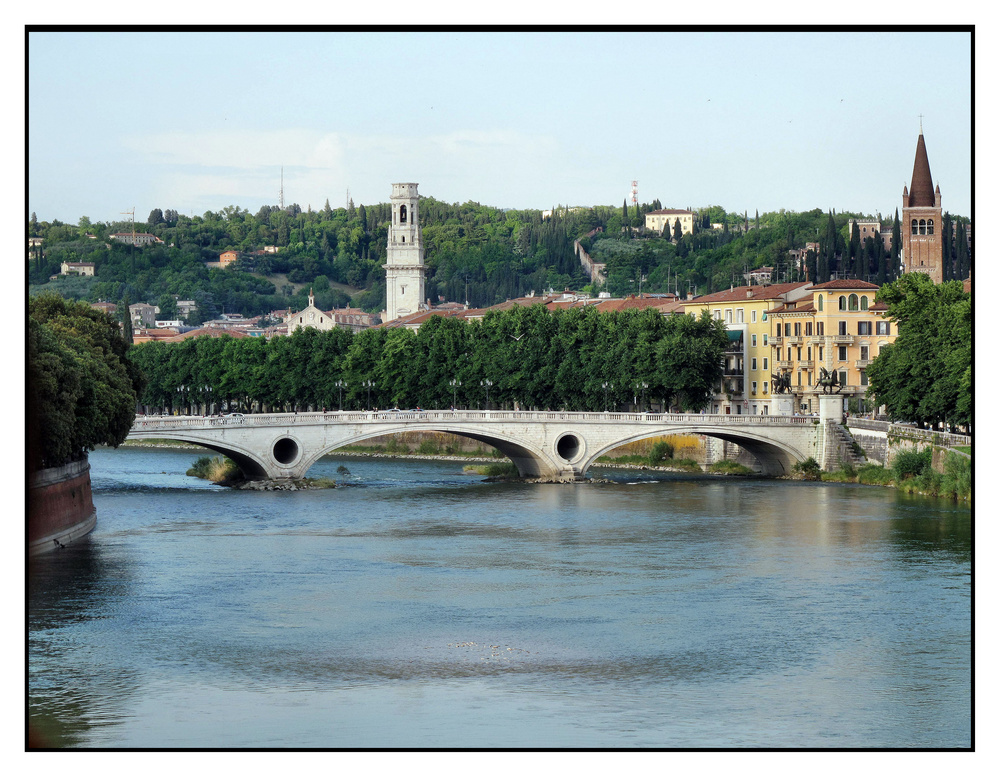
(831,408)
(783,404)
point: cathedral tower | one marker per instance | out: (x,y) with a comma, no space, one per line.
(404,266)
(921,220)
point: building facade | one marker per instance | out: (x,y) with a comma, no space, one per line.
(920,221)
(837,328)
(404,266)
(746,387)
(657,219)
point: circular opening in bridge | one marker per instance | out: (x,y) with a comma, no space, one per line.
(568,446)
(285,450)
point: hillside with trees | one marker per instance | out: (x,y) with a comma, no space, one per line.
(474,253)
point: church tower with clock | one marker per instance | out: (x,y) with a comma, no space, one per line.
(404,266)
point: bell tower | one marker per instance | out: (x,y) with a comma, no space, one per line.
(920,225)
(404,266)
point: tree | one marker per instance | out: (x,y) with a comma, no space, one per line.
(83,386)
(925,374)
(155,217)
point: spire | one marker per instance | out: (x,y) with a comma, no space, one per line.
(921,184)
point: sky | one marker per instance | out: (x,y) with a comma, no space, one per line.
(749,120)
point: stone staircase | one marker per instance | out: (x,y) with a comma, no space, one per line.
(840,448)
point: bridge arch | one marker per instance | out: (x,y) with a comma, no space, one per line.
(250,463)
(530,460)
(775,457)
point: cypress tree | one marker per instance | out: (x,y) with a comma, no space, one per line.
(895,250)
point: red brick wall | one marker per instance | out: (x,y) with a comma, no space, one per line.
(60,503)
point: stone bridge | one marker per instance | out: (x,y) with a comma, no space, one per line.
(550,445)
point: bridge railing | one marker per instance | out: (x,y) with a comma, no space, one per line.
(152,423)
(941,438)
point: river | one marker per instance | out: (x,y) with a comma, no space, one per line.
(420,607)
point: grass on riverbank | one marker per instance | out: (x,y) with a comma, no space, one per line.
(498,469)
(912,473)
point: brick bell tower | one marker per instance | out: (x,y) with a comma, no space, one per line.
(404,266)
(920,221)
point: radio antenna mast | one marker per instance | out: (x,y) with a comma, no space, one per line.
(281,190)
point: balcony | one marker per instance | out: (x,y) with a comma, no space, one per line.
(817,339)
(806,364)
(843,339)
(862,363)
(793,340)
(775,340)
(783,365)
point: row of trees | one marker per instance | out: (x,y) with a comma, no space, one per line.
(575,359)
(82,388)
(925,376)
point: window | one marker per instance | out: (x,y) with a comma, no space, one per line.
(819,302)
(765,386)
(809,353)
(753,341)
(763,316)
(864,353)
(753,316)
(842,377)
(864,378)
(729,315)
(864,302)
(765,367)
(842,353)
(841,327)
(798,353)
(913,227)
(753,363)
(402,214)
(798,329)
(852,302)
(809,328)
(717,315)
(819,328)
(765,344)
(864,327)
(739,315)
(788,330)
(819,356)
(753,387)
(842,302)
(930,226)
(881,327)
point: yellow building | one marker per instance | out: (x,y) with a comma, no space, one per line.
(839,328)
(657,219)
(746,383)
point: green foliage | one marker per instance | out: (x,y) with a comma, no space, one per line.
(214,468)
(662,451)
(925,375)
(808,469)
(727,467)
(908,463)
(532,358)
(82,388)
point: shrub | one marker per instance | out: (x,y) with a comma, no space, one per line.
(428,447)
(874,475)
(808,469)
(907,464)
(661,451)
(727,467)
(214,468)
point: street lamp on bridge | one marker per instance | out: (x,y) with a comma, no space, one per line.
(368,385)
(641,386)
(454,383)
(607,386)
(340,394)
(487,383)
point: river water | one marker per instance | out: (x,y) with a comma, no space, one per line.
(420,607)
